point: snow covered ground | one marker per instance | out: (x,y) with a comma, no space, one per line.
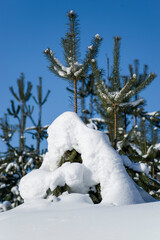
(74,217)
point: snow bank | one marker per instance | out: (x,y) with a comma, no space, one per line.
(74,218)
(101,164)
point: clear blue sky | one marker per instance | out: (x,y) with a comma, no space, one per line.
(28,27)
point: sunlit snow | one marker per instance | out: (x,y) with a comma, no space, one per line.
(74,216)
(101,164)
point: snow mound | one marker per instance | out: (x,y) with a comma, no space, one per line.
(35,184)
(74,218)
(101,164)
(75,175)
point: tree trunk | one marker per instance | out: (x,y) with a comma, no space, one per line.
(115,126)
(91,106)
(144,136)
(135,120)
(22,126)
(75,94)
(22,139)
(153,169)
(39,129)
(38,141)
(125,123)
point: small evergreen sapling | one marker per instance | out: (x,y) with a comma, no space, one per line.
(73,71)
(22,97)
(114,99)
(38,130)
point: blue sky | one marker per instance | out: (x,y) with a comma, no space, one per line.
(28,27)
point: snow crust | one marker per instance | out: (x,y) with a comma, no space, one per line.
(101,164)
(74,217)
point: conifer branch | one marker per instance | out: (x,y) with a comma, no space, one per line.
(103,92)
(125,89)
(46,97)
(14,94)
(28,92)
(145,83)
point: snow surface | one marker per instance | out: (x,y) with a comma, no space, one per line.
(101,164)
(74,217)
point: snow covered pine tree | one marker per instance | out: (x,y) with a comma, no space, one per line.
(73,70)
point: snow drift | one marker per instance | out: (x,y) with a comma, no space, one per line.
(73,217)
(101,164)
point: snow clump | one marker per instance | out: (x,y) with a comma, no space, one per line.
(97,36)
(100,164)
